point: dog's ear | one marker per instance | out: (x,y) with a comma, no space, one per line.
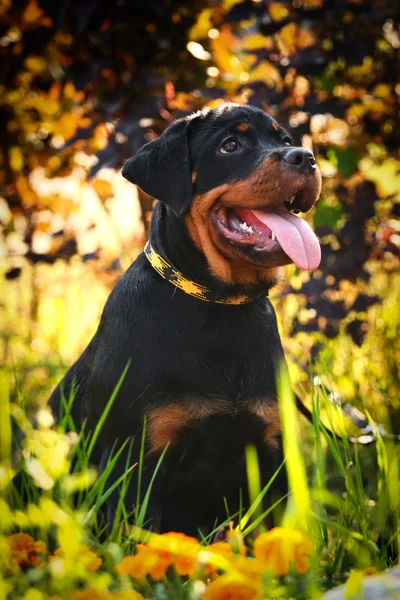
(161,168)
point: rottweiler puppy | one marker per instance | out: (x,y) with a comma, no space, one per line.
(192,319)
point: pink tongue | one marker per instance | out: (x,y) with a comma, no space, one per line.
(295,236)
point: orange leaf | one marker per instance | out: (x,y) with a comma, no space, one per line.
(32,12)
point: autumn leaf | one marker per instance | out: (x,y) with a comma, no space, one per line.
(278,11)
(203,25)
(256,41)
(5,5)
(16,159)
(34,15)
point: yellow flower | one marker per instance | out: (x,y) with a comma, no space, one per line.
(184,549)
(147,561)
(281,546)
(232,586)
(46,455)
(91,561)
(24,550)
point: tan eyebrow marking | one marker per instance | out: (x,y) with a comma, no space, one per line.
(242,127)
(275,126)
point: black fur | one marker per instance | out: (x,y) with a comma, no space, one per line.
(179,347)
(162,168)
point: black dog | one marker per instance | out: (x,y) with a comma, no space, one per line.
(192,318)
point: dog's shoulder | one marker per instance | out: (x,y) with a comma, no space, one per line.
(137,285)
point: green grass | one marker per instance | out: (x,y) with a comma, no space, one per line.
(344,496)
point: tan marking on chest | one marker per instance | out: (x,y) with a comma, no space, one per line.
(165,423)
(268,412)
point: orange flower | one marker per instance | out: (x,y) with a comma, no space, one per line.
(147,561)
(223,549)
(24,550)
(232,586)
(281,546)
(250,567)
(159,554)
(184,549)
(91,561)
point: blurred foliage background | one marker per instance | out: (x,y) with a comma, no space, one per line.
(84,83)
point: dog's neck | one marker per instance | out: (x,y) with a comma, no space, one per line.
(170,239)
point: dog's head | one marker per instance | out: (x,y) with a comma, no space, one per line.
(234,179)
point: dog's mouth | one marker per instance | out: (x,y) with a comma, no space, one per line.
(270,231)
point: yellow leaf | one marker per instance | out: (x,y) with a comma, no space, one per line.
(6,515)
(225,46)
(305,37)
(215,103)
(287,38)
(54,91)
(266,72)
(228,4)
(69,90)
(277,11)
(353,585)
(66,125)
(38,474)
(256,41)
(35,64)
(204,23)
(382,90)
(27,195)
(33,594)
(16,159)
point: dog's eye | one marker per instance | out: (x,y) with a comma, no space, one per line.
(287,141)
(229,146)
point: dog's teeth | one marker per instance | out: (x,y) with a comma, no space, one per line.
(291,200)
(234,223)
(245,227)
(273,236)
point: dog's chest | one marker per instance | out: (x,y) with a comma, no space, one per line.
(230,354)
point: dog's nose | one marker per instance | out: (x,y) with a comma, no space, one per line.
(302,159)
